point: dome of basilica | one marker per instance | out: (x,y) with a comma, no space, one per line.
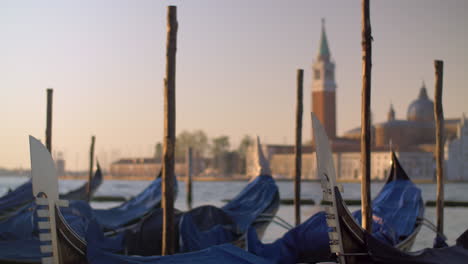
(421,109)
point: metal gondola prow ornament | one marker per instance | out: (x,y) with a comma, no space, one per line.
(261,165)
(45,189)
(326,172)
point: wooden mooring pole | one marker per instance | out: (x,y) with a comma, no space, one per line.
(298,149)
(91,165)
(48,136)
(168,234)
(189,164)
(365,118)
(439,155)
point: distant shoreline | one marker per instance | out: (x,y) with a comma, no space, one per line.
(228,179)
(217,179)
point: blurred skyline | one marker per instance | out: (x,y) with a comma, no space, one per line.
(236,68)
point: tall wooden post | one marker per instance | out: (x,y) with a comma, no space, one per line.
(91,165)
(189,164)
(439,155)
(365,118)
(48,136)
(168,239)
(298,149)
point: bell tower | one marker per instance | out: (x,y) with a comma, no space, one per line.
(324,87)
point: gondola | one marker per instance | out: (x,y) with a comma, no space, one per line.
(358,246)
(394,224)
(204,226)
(21,223)
(350,243)
(15,199)
(81,193)
(133,210)
(255,206)
(407,219)
(22,196)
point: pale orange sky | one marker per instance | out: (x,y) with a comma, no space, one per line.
(236,68)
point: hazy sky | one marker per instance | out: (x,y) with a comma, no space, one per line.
(236,68)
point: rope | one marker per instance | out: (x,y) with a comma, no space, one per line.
(280,221)
(431,226)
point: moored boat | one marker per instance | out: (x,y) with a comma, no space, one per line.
(21,197)
(352,244)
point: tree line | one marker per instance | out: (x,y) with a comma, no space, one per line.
(217,149)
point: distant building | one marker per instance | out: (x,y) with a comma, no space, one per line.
(60,164)
(457,154)
(417,130)
(150,167)
(324,87)
(413,139)
(228,164)
(420,165)
(141,167)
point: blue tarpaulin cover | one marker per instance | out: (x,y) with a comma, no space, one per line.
(19,196)
(23,225)
(24,250)
(20,225)
(225,254)
(145,202)
(22,195)
(22,229)
(214,227)
(395,210)
(206,225)
(243,210)
(252,201)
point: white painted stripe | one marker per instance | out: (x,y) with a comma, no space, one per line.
(333,236)
(327,197)
(43,213)
(48,260)
(45,237)
(42,201)
(44,225)
(46,248)
(63,203)
(330,216)
(331,222)
(335,249)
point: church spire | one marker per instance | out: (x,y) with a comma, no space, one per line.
(391,113)
(324,51)
(324,87)
(423,91)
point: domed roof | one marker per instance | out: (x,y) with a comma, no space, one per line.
(421,109)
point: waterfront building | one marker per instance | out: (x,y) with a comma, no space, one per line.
(147,167)
(457,153)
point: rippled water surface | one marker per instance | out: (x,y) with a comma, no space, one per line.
(456,218)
